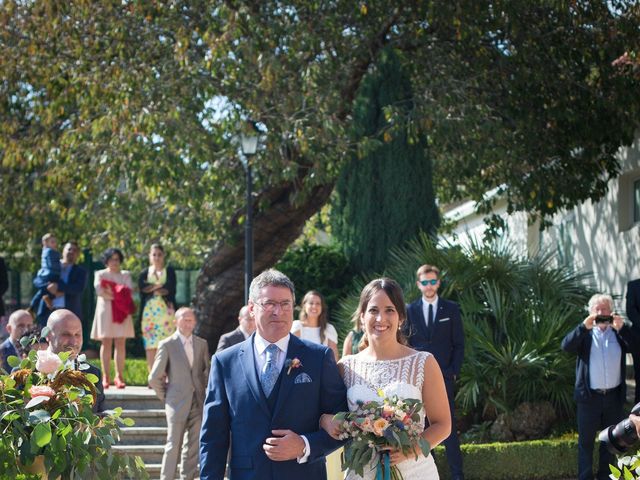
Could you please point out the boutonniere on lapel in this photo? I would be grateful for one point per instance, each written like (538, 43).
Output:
(292, 363)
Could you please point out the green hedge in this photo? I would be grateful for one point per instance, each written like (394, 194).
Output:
(533, 460)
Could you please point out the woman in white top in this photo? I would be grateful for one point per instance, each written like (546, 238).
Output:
(313, 324)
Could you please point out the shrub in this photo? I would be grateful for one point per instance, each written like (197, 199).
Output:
(319, 267)
(515, 313)
(532, 460)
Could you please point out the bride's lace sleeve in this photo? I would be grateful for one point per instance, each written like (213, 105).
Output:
(418, 369)
(346, 364)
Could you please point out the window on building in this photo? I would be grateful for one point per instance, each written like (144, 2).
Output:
(636, 201)
(565, 247)
(629, 200)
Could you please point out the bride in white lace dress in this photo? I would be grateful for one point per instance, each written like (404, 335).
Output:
(387, 364)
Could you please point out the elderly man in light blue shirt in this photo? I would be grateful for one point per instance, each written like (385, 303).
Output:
(601, 342)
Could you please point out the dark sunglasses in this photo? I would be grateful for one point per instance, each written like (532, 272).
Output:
(424, 283)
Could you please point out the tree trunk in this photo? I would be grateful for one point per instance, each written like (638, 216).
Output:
(220, 285)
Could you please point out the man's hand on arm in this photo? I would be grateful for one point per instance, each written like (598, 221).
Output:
(284, 445)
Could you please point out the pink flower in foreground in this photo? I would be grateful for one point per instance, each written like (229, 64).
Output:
(47, 362)
(41, 391)
(379, 425)
(387, 411)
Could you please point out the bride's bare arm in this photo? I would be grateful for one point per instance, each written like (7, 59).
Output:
(436, 407)
(436, 403)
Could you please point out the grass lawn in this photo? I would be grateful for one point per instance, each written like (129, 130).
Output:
(135, 370)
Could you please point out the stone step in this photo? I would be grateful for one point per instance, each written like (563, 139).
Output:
(150, 454)
(132, 398)
(153, 469)
(154, 417)
(147, 437)
(143, 436)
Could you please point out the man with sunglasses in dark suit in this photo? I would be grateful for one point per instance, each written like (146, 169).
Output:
(434, 325)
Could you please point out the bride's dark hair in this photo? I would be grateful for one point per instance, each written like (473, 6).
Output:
(394, 292)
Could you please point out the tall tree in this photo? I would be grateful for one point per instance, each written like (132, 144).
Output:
(384, 196)
(117, 118)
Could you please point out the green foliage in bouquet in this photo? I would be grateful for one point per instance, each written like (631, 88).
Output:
(46, 413)
(628, 468)
(391, 423)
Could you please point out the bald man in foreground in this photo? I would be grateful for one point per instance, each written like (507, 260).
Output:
(65, 335)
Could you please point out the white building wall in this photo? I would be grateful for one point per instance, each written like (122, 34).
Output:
(600, 237)
(470, 226)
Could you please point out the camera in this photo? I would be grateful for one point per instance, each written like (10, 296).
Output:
(604, 319)
(618, 438)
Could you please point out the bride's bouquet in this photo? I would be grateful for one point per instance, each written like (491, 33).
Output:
(377, 426)
(628, 467)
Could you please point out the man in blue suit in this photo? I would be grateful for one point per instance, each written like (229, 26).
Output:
(266, 395)
(68, 291)
(434, 325)
(19, 323)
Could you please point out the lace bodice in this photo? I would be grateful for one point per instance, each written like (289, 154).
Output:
(402, 377)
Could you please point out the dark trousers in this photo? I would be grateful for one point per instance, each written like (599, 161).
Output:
(452, 443)
(636, 372)
(594, 414)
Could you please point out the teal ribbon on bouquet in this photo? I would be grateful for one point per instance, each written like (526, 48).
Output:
(383, 471)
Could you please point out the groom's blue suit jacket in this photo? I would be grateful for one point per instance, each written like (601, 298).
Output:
(237, 414)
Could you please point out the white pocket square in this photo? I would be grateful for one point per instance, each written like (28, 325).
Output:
(444, 319)
(302, 378)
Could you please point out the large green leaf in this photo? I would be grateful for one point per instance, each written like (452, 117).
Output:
(42, 434)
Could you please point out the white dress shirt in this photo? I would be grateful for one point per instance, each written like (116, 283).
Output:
(259, 347)
(425, 310)
(604, 359)
(187, 343)
(65, 270)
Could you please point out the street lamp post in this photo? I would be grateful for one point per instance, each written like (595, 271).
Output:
(249, 146)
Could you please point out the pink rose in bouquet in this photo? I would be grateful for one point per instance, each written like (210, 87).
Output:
(41, 391)
(47, 362)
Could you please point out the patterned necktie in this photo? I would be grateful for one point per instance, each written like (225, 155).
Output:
(270, 371)
(430, 322)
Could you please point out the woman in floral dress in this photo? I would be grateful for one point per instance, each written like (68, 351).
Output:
(157, 285)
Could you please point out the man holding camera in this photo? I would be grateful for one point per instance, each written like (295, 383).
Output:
(601, 342)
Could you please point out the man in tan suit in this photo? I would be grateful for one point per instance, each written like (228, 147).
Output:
(179, 378)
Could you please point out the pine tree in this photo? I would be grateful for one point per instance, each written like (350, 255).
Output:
(384, 195)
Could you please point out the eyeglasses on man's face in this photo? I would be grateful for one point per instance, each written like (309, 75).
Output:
(433, 281)
(270, 305)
